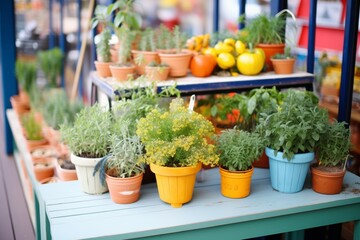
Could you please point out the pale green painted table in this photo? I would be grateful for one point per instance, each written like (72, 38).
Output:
(72, 214)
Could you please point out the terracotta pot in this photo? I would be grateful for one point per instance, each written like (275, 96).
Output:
(43, 168)
(103, 69)
(283, 66)
(146, 58)
(122, 73)
(24, 98)
(270, 50)
(49, 180)
(33, 144)
(175, 184)
(124, 190)
(63, 173)
(262, 162)
(18, 107)
(326, 182)
(179, 63)
(329, 91)
(157, 73)
(235, 184)
(43, 152)
(89, 183)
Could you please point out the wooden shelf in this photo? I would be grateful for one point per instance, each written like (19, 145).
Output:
(213, 84)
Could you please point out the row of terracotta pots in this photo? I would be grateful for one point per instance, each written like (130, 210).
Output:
(177, 66)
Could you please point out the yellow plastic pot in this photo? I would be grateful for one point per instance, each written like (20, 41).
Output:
(175, 184)
(235, 184)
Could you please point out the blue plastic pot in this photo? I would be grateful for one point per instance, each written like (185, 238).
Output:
(288, 176)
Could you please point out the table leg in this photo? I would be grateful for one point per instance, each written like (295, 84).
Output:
(93, 95)
(297, 235)
(357, 230)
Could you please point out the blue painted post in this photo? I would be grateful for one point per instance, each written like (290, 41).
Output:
(216, 11)
(242, 4)
(62, 41)
(311, 37)
(348, 60)
(78, 47)
(51, 27)
(8, 83)
(277, 5)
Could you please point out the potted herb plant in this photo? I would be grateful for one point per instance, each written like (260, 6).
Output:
(268, 33)
(89, 141)
(33, 131)
(238, 149)
(26, 75)
(175, 146)
(292, 134)
(50, 62)
(283, 63)
(102, 17)
(175, 56)
(126, 21)
(157, 71)
(332, 153)
(122, 169)
(146, 52)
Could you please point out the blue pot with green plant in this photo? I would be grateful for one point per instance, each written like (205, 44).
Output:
(292, 133)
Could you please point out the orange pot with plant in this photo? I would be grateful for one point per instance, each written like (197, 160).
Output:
(157, 72)
(238, 149)
(176, 153)
(332, 152)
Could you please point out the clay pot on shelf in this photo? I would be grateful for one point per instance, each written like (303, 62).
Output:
(143, 58)
(157, 73)
(103, 69)
(270, 50)
(283, 66)
(179, 63)
(327, 181)
(124, 190)
(122, 73)
(18, 106)
(43, 152)
(65, 170)
(43, 168)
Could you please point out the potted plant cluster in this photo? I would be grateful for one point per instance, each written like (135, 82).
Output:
(26, 75)
(292, 134)
(268, 33)
(332, 152)
(33, 131)
(122, 169)
(238, 150)
(157, 71)
(175, 146)
(89, 141)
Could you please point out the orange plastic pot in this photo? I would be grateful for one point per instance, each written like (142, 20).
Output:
(175, 184)
(235, 184)
(124, 190)
(326, 182)
(271, 50)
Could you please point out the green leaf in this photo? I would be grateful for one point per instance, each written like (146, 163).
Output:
(109, 9)
(315, 136)
(251, 104)
(213, 110)
(119, 19)
(94, 23)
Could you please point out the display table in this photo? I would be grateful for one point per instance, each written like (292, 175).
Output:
(72, 214)
(213, 84)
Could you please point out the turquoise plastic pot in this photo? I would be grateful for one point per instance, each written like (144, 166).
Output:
(288, 176)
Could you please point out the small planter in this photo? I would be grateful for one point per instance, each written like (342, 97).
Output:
(43, 152)
(147, 57)
(175, 184)
(235, 184)
(179, 63)
(43, 168)
(124, 190)
(84, 168)
(271, 50)
(34, 144)
(288, 176)
(122, 73)
(103, 69)
(157, 73)
(283, 66)
(65, 170)
(18, 106)
(24, 98)
(327, 180)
